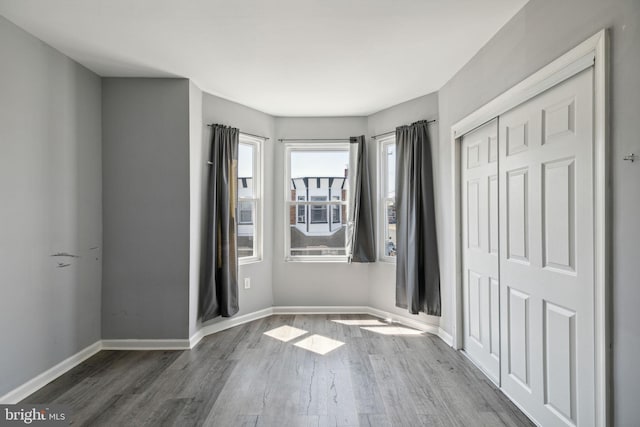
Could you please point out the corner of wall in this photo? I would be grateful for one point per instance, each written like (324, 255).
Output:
(196, 200)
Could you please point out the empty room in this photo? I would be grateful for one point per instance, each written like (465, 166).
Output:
(319, 213)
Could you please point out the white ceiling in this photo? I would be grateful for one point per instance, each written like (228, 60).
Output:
(283, 57)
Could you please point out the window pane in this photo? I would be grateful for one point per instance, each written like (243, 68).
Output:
(246, 228)
(319, 163)
(390, 173)
(245, 170)
(390, 229)
(319, 173)
(318, 176)
(326, 238)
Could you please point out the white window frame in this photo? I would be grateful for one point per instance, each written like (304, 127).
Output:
(307, 146)
(257, 198)
(383, 143)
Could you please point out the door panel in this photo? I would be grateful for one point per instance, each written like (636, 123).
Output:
(547, 254)
(518, 337)
(558, 222)
(494, 309)
(517, 215)
(516, 137)
(475, 308)
(493, 214)
(560, 360)
(481, 293)
(473, 214)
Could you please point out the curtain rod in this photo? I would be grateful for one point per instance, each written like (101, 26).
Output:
(393, 131)
(248, 134)
(314, 139)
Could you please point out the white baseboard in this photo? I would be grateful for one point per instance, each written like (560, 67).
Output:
(227, 323)
(235, 321)
(431, 328)
(347, 309)
(33, 385)
(445, 336)
(133, 344)
(422, 326)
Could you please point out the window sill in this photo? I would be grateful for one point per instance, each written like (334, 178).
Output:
(249, 260)
(317, 259)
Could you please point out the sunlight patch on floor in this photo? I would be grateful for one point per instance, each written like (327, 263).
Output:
(393, 330)
(360, 322)
(285, 333)
(319, 344)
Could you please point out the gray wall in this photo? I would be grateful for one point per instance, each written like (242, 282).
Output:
(539, 33)
(382, 275)
(197, 168)
(305, 284)
(156, 147)
(145, 160)
(51, 202)
(218, 110)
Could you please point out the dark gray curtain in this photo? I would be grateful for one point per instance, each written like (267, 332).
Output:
(363, 245)
(219, 289)
(417, 270)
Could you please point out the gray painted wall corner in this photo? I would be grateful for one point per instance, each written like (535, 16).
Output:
(197, 176)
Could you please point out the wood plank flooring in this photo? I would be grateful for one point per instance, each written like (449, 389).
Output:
(242, 377)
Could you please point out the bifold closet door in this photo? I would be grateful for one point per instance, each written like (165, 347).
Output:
(547, 254)
(481, 292)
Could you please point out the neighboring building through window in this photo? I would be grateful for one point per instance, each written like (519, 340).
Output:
(246, 213)
(302, 211)
(335, 212)
(387, 197)
(316, 205)
(249, 199)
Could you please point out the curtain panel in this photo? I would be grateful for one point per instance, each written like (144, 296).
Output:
(417, 268)
(219, 289)
(361, 244)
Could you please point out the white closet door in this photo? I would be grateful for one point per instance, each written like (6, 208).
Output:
(547, 254)
(481, 292)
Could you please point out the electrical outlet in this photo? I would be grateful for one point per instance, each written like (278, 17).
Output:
(247, 282)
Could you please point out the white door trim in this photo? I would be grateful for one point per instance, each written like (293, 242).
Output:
(591, 52)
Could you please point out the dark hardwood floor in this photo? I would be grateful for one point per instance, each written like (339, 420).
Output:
(243, 377)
